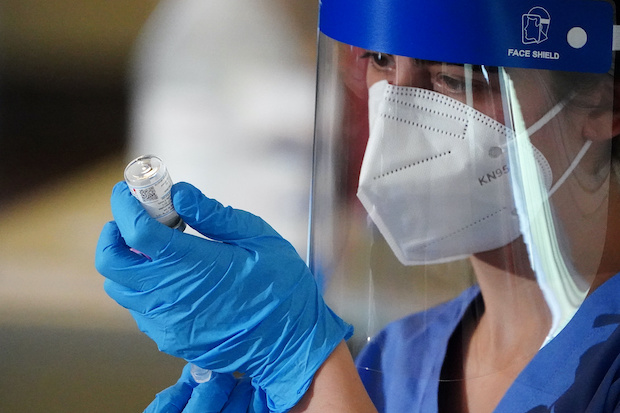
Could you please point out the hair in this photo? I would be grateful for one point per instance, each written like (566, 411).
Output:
(564, 83)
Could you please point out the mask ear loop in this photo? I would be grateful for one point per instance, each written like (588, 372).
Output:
(571, 167)
(535, 127)
(552, 113)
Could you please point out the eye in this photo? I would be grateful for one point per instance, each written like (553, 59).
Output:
(449, 83)
(381, 61)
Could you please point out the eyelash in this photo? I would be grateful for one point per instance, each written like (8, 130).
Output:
(378, 59)
(451, 83)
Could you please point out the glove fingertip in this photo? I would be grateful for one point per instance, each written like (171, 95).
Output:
(211, 396)
(126, 209)
(186, 199)
(109, 238)
(120, 186)
(137, 228)
(197, 210)
(214, 220)
(171, 400)
(124, 296)
(109, 234)
(240, 397)
(112, 288)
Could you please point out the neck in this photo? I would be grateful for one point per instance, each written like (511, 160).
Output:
(516, 319)
(610, 261)
(491, 351)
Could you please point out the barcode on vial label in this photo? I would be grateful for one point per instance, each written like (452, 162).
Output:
(148, 194)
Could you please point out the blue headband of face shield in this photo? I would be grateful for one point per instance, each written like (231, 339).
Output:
(566, 35)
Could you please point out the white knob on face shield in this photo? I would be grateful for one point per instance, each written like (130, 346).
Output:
(434, 178)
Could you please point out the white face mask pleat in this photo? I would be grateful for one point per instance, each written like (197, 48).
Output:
(435, 175)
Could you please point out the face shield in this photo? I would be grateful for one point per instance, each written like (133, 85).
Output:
(463, 158)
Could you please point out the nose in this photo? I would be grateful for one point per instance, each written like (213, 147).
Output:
(397, 70)
(411, 72)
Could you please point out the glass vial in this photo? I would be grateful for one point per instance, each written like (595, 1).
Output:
(149, 181)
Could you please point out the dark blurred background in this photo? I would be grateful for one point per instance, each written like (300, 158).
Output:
(62, 85)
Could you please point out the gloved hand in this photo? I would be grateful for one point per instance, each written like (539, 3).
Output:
(242, 300)
(221, 394)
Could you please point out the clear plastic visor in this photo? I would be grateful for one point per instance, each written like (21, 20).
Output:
(457, 210)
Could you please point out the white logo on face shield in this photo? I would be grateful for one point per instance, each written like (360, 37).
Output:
(535, 25)
(434, 178)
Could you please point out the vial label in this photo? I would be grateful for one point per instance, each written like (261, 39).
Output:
(150, 183)
(155, 198)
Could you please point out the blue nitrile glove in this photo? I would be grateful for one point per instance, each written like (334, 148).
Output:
(221, 394)
(242, 300)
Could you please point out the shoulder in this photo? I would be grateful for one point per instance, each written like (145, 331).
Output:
(436, 322)
(411, 350)
(579, 370)
(596, 358)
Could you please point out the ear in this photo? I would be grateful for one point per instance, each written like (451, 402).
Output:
(603, 119)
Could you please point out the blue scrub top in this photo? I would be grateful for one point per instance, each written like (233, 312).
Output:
(578, 371)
